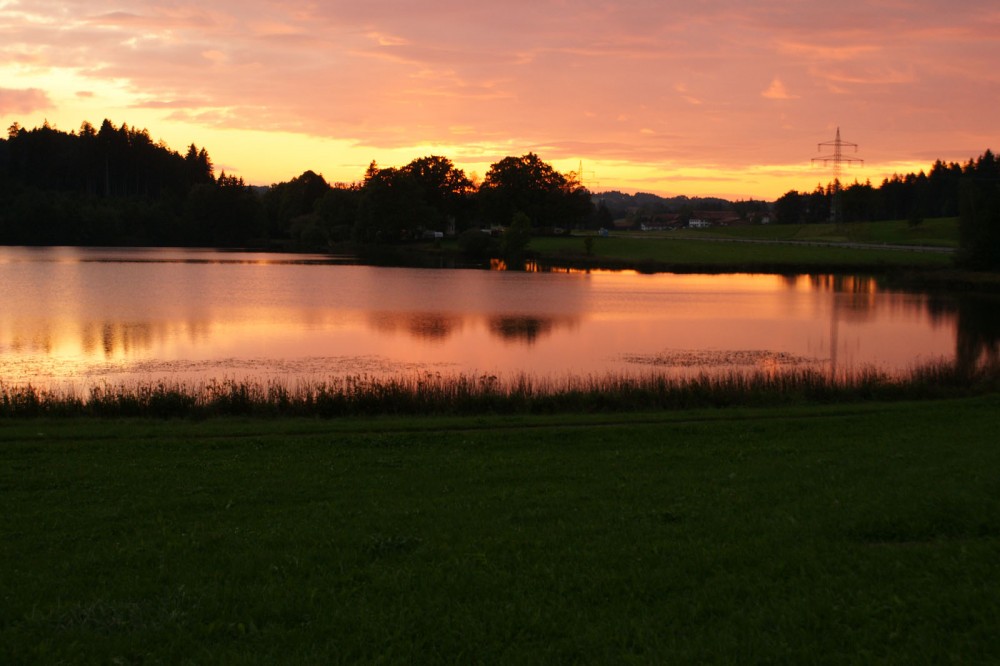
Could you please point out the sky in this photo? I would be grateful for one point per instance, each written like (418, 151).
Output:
(702, 98)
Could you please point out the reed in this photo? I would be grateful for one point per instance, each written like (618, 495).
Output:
(462, 394)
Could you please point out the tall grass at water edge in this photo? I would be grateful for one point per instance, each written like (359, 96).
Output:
(461, 394)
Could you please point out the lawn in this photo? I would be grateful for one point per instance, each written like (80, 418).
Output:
(937, 232)
(815, 534)
(664, 251)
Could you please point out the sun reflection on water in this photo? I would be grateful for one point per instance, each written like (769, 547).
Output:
(77, 315)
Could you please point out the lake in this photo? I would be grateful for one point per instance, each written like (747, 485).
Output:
(79, 316)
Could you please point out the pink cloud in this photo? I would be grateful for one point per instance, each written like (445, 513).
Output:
(777, 90)
(694, 82)
(23, 101)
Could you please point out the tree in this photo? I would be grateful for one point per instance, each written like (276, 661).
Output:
(392, 208)
(199, 166)
(338, 211)
(601, 218)
(788, 209)
(287, 201)
(477, 245)
(514, 242)
(224, 213)
(530, 186)
(858, 202)
(818, 205)
(979, 223)
(443, 188)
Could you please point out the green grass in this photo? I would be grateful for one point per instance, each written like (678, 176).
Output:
(691, 249)
(937, 232)
(665, 252)
(857, 534)
(688, 250)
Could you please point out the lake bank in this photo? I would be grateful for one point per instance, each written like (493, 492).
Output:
(912, 256)
(458, 395)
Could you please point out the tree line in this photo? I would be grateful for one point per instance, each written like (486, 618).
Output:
(969, 191)
(116, 186)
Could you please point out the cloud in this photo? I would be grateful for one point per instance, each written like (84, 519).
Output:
(23, 101)
(777, 91)
(640, 81)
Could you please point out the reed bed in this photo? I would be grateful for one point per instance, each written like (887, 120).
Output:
(437, 394)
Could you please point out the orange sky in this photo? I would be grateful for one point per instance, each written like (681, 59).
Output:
(715, 97)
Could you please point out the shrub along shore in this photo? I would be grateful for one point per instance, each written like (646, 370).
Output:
(435, 394)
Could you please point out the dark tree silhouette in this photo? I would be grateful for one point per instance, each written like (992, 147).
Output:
(114, 185)
(530, 186)
(392, 208)
(107, 186)
(288, 203)
(443, 188)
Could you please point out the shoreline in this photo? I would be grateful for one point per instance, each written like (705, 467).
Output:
(477, 395)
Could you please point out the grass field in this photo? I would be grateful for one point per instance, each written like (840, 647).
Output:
(937, 232)
(862, 533)
(771, 248)
(662, 251)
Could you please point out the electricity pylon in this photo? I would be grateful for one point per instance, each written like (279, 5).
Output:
(591, 180)
(837, 159)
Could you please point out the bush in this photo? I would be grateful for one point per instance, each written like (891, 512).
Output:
(477, 245)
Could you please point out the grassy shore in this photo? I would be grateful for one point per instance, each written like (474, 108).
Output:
(857, 247)
(935, 232)
(832, 534)
(435, 394)
(661, 253)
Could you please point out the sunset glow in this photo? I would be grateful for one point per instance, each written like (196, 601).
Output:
(715, 98)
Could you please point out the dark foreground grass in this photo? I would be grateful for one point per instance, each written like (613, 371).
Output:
(838, 534)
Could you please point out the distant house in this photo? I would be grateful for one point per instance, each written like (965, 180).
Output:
(661, 222)
(702, 219)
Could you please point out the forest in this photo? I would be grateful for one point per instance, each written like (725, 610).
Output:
(969, 191)
(114, 185)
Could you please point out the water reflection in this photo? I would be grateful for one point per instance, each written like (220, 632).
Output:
(165, 255)
(521, 329)
(977, 338)
(69, 313)
(430, 326)
(421, 325)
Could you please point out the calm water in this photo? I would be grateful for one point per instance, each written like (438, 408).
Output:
(84, 315)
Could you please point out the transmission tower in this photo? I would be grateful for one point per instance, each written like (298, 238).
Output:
(589, 175)
(837, 159)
